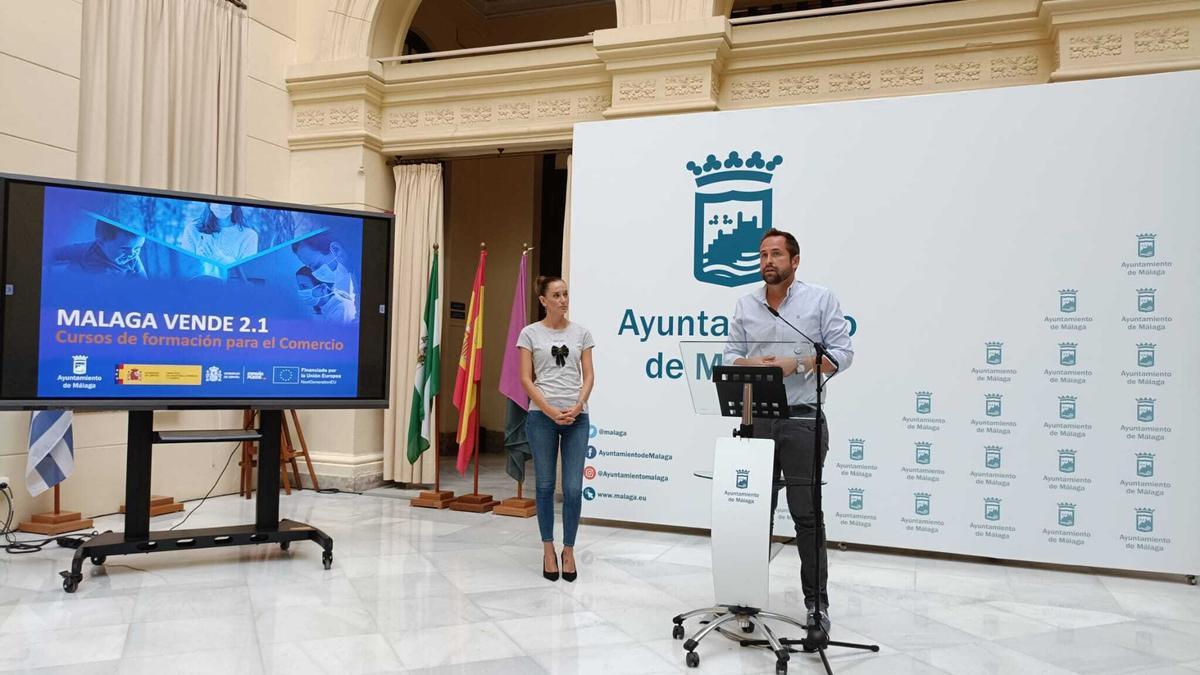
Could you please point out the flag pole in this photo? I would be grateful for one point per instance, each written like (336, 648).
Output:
(478, 417)
(478, 437)
(475, 502)
(437, 498)
(519, 506)
(437, 455)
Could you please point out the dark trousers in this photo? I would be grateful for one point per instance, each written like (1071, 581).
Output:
(794, 462)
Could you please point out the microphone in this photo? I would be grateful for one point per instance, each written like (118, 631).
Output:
(821, 350)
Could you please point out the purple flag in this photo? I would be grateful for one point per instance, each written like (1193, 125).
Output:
(510, 371)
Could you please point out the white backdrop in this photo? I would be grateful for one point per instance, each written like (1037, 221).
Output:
(1034, 243)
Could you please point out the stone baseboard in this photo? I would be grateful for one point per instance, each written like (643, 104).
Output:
(344, 483)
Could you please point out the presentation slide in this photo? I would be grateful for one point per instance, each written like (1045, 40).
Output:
(147, 297)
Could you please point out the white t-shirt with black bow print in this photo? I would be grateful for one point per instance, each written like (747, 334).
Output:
(556, 361)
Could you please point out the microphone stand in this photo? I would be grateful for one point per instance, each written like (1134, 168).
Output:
(817, 639)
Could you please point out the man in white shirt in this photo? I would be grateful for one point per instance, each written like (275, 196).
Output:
(758, 337)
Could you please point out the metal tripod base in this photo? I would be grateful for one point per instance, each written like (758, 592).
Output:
(816, 641)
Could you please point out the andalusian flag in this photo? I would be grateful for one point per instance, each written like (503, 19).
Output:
(470, 371)
(429, 368)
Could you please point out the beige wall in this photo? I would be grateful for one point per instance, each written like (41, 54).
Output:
(39, 52)
(346, 446)
(273, 30)
(180, 471)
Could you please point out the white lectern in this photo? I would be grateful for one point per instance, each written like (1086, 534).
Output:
(743, 481)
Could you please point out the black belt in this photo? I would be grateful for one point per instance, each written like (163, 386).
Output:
(801, 410)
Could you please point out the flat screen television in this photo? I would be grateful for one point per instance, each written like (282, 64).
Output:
(125, 298)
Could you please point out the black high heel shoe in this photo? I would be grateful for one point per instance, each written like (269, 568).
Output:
(567, 576)
(550, 576)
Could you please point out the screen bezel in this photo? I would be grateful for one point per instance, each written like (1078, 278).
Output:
(160, 403)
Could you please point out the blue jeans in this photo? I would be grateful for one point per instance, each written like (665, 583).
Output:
(544, 438)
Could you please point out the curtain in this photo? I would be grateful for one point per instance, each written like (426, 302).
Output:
(418, 227)
(161, 94)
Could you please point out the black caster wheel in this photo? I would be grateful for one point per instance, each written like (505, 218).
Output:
(781, 667)
(748, 628)
(327, 560)
(99, 559)
(71, 582)
(677, 632)
(692, 659)
(285, 545)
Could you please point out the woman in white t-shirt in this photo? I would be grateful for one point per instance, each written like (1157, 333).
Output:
(220, 238)
(556, 372)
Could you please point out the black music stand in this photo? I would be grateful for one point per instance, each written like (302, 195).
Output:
(757, 389)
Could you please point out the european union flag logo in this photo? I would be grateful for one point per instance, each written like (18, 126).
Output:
(285, 375)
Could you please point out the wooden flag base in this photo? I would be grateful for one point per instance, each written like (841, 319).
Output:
(517, 507)
(474, 502)
(160, 506)
(434, 499)
(52, 524)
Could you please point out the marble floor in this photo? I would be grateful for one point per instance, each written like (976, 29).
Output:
(422, 591)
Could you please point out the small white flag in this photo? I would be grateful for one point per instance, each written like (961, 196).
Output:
(51, 450)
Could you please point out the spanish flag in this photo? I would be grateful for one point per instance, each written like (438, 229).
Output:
(470, 371)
